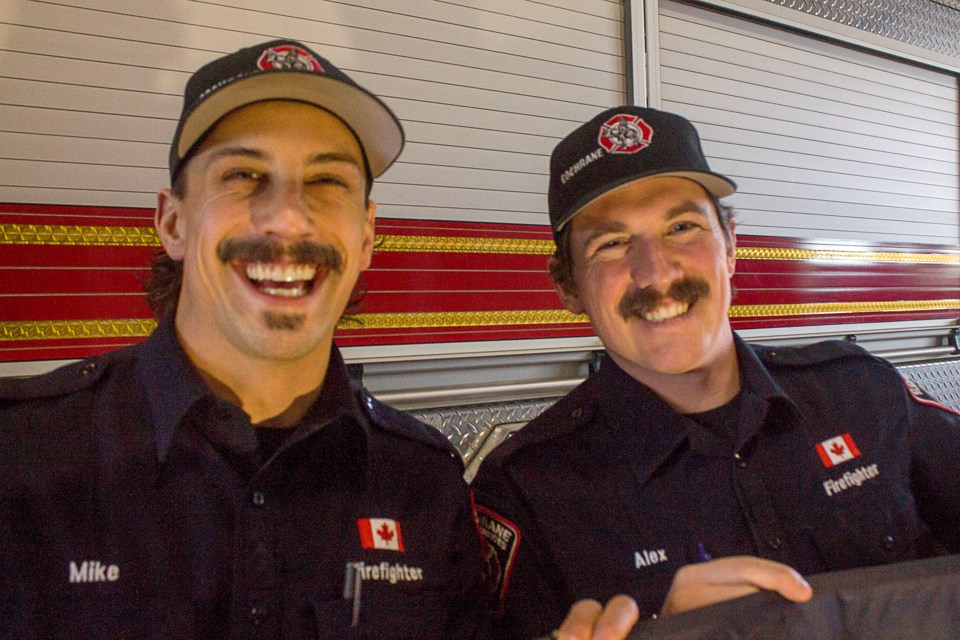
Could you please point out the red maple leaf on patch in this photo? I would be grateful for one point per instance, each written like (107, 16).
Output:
(837, 449)
(385, 532)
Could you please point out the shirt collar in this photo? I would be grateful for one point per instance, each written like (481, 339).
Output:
(171, 383)
(650, 430)
(173, 388)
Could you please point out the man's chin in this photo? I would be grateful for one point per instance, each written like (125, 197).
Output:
(279, 321)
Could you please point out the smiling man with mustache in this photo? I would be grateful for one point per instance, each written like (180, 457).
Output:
(688, 444)
(226, 478)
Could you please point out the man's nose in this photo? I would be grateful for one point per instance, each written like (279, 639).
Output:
(283, 212)
(652, 265)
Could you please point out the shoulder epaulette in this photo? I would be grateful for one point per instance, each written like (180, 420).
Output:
(564, 417)
(388, 419)
(61, 381)
(811, 354)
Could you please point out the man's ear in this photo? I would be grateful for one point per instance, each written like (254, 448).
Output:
(732, 249)
(169, 224)
(369, 235)
(565, 289)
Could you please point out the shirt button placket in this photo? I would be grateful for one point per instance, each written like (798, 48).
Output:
(258, 579)
(758, 506)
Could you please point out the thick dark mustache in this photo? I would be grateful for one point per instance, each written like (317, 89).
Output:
(643, 301)
(263, 250)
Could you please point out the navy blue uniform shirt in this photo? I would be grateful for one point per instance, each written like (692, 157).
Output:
(831, 463)
(134, 504)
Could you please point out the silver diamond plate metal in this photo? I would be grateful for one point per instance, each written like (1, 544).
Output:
(930, 25)
(467, 427)
(939, 379)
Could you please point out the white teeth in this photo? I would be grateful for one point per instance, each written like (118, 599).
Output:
(258, 272)
(667, 312)
(292, 292)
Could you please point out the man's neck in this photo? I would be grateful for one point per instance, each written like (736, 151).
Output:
(273, 394)
(697, 390)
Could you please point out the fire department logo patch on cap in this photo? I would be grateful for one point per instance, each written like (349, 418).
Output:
(625, 133)
(501, 538)
(288, 57)
(837, 449)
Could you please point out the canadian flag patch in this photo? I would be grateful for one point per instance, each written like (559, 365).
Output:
(380, 533)
(836, 450)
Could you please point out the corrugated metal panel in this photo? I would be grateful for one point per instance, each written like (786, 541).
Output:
(485, 89)
(824, 141)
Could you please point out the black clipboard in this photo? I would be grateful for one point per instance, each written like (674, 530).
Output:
(916, 599)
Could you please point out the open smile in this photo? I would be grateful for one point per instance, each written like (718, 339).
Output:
(666, 312)
(283, 280)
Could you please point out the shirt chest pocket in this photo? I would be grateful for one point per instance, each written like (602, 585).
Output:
(875, 523)
(90, 613)
(383, 616)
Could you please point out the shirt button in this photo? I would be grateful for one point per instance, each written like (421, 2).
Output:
(888, 542)
(774, 542)
(258, 498)
(256, 615)
(576, 413)
(740, 461)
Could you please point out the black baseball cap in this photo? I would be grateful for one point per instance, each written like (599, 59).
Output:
(284, 70)
(619, 146)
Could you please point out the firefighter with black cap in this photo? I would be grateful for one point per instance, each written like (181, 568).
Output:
(688, 444)
(226, 478)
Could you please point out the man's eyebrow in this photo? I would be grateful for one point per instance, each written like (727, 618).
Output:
(608, 226)
(334, 156)
(614, 226)
(257, 154)
(243, 152)
(687, 206)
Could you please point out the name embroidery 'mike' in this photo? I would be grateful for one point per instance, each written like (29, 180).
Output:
(93, 571)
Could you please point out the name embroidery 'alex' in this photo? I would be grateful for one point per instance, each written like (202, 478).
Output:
(649, 557)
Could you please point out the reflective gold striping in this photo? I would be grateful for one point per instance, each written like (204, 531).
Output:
(75, 329)
(89, 329)
(769, 253)
(53, 234)
(457, 244)
(141, 328)
(44, 234)
(820, 308)
(463, 319)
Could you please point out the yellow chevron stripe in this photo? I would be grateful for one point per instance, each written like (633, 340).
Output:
(79, 329)
(457, 244)
(147, 237)
(820, 308)
(72, 235)
(141, 328)
(769, 253)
